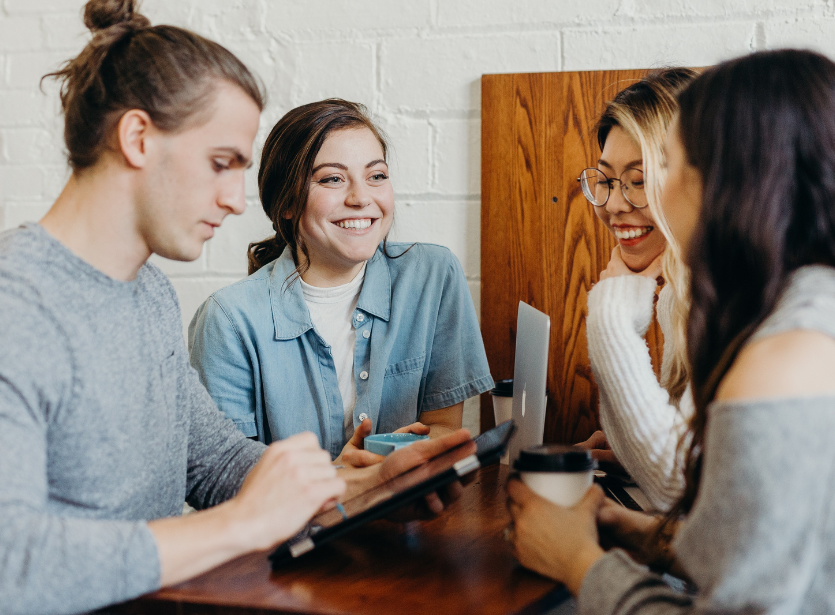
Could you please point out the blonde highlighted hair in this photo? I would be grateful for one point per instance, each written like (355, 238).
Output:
(644, 110)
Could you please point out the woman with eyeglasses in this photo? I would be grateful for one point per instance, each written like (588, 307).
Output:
(642, 420)
(749, 196)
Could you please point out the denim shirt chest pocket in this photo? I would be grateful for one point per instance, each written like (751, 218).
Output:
(402, 389)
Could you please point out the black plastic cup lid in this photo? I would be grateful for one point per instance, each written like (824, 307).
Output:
(554, 458)
(504, 388)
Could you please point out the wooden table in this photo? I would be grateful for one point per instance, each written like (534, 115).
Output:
(457, 563)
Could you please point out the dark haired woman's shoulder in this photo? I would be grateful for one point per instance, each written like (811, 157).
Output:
(813, 279)
(807, 302)
(809, 288)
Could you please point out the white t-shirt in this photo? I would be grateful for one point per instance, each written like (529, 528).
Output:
(332, 311)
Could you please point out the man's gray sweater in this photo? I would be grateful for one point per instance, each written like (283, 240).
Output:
(103, 426)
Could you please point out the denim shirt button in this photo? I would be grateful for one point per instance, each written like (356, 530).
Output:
(363, 375)
(363, 416)
(366, 334)
(360, 317)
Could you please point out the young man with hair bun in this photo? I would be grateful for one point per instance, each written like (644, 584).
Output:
(105, 429)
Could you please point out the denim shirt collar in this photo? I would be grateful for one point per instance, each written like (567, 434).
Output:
(290, 314)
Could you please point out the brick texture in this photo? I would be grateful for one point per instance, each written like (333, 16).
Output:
(416, 64)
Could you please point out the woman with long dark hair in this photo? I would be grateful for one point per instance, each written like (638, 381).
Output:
(750, 196)
(337, 330)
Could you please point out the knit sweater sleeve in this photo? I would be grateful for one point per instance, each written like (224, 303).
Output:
(52, 562)
(641, 424)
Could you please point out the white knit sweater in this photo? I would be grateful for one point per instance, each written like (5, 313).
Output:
(642, 425)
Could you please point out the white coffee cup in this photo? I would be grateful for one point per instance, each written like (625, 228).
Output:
(561, 474)
(503, 404)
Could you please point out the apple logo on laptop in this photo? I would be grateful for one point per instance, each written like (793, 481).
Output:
(524, 397)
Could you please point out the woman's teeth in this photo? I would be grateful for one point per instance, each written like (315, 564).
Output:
(357, 224)
(632, 233)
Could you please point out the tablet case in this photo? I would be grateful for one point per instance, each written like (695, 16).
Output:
(443, 470)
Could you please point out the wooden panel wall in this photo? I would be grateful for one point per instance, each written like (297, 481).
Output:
(540, 240)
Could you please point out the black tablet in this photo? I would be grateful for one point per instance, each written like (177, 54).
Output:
(396, 493)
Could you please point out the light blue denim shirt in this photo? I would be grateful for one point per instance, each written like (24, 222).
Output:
(418, 348)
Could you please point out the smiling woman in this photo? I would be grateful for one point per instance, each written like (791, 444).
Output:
(338, 331)
(642, 418)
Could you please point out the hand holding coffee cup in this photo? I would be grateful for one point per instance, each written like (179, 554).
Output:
(561, 474)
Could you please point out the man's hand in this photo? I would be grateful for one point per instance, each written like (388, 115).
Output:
(292, 481)
(353, 453)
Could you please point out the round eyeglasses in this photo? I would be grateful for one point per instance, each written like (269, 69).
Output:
(597, 187)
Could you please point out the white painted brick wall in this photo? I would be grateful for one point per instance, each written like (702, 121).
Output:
(416, 64)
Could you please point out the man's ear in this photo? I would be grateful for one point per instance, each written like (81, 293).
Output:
(133, 132)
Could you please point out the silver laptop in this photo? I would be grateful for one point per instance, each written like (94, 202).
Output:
(530, 373)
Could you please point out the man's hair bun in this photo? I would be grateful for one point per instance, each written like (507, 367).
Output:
(166, 71)
(103, 14)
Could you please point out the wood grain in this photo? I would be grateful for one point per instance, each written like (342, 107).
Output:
(540, 240)
(455, 564)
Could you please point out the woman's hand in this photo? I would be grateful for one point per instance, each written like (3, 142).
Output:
(558, 542)
(418, 453)
(617, 267)
(626, 529)
(637, 533)
(353, 453)
(599, 448)
(362, 479)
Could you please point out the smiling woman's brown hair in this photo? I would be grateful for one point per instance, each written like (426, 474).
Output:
(287, 165)
(168, 72)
